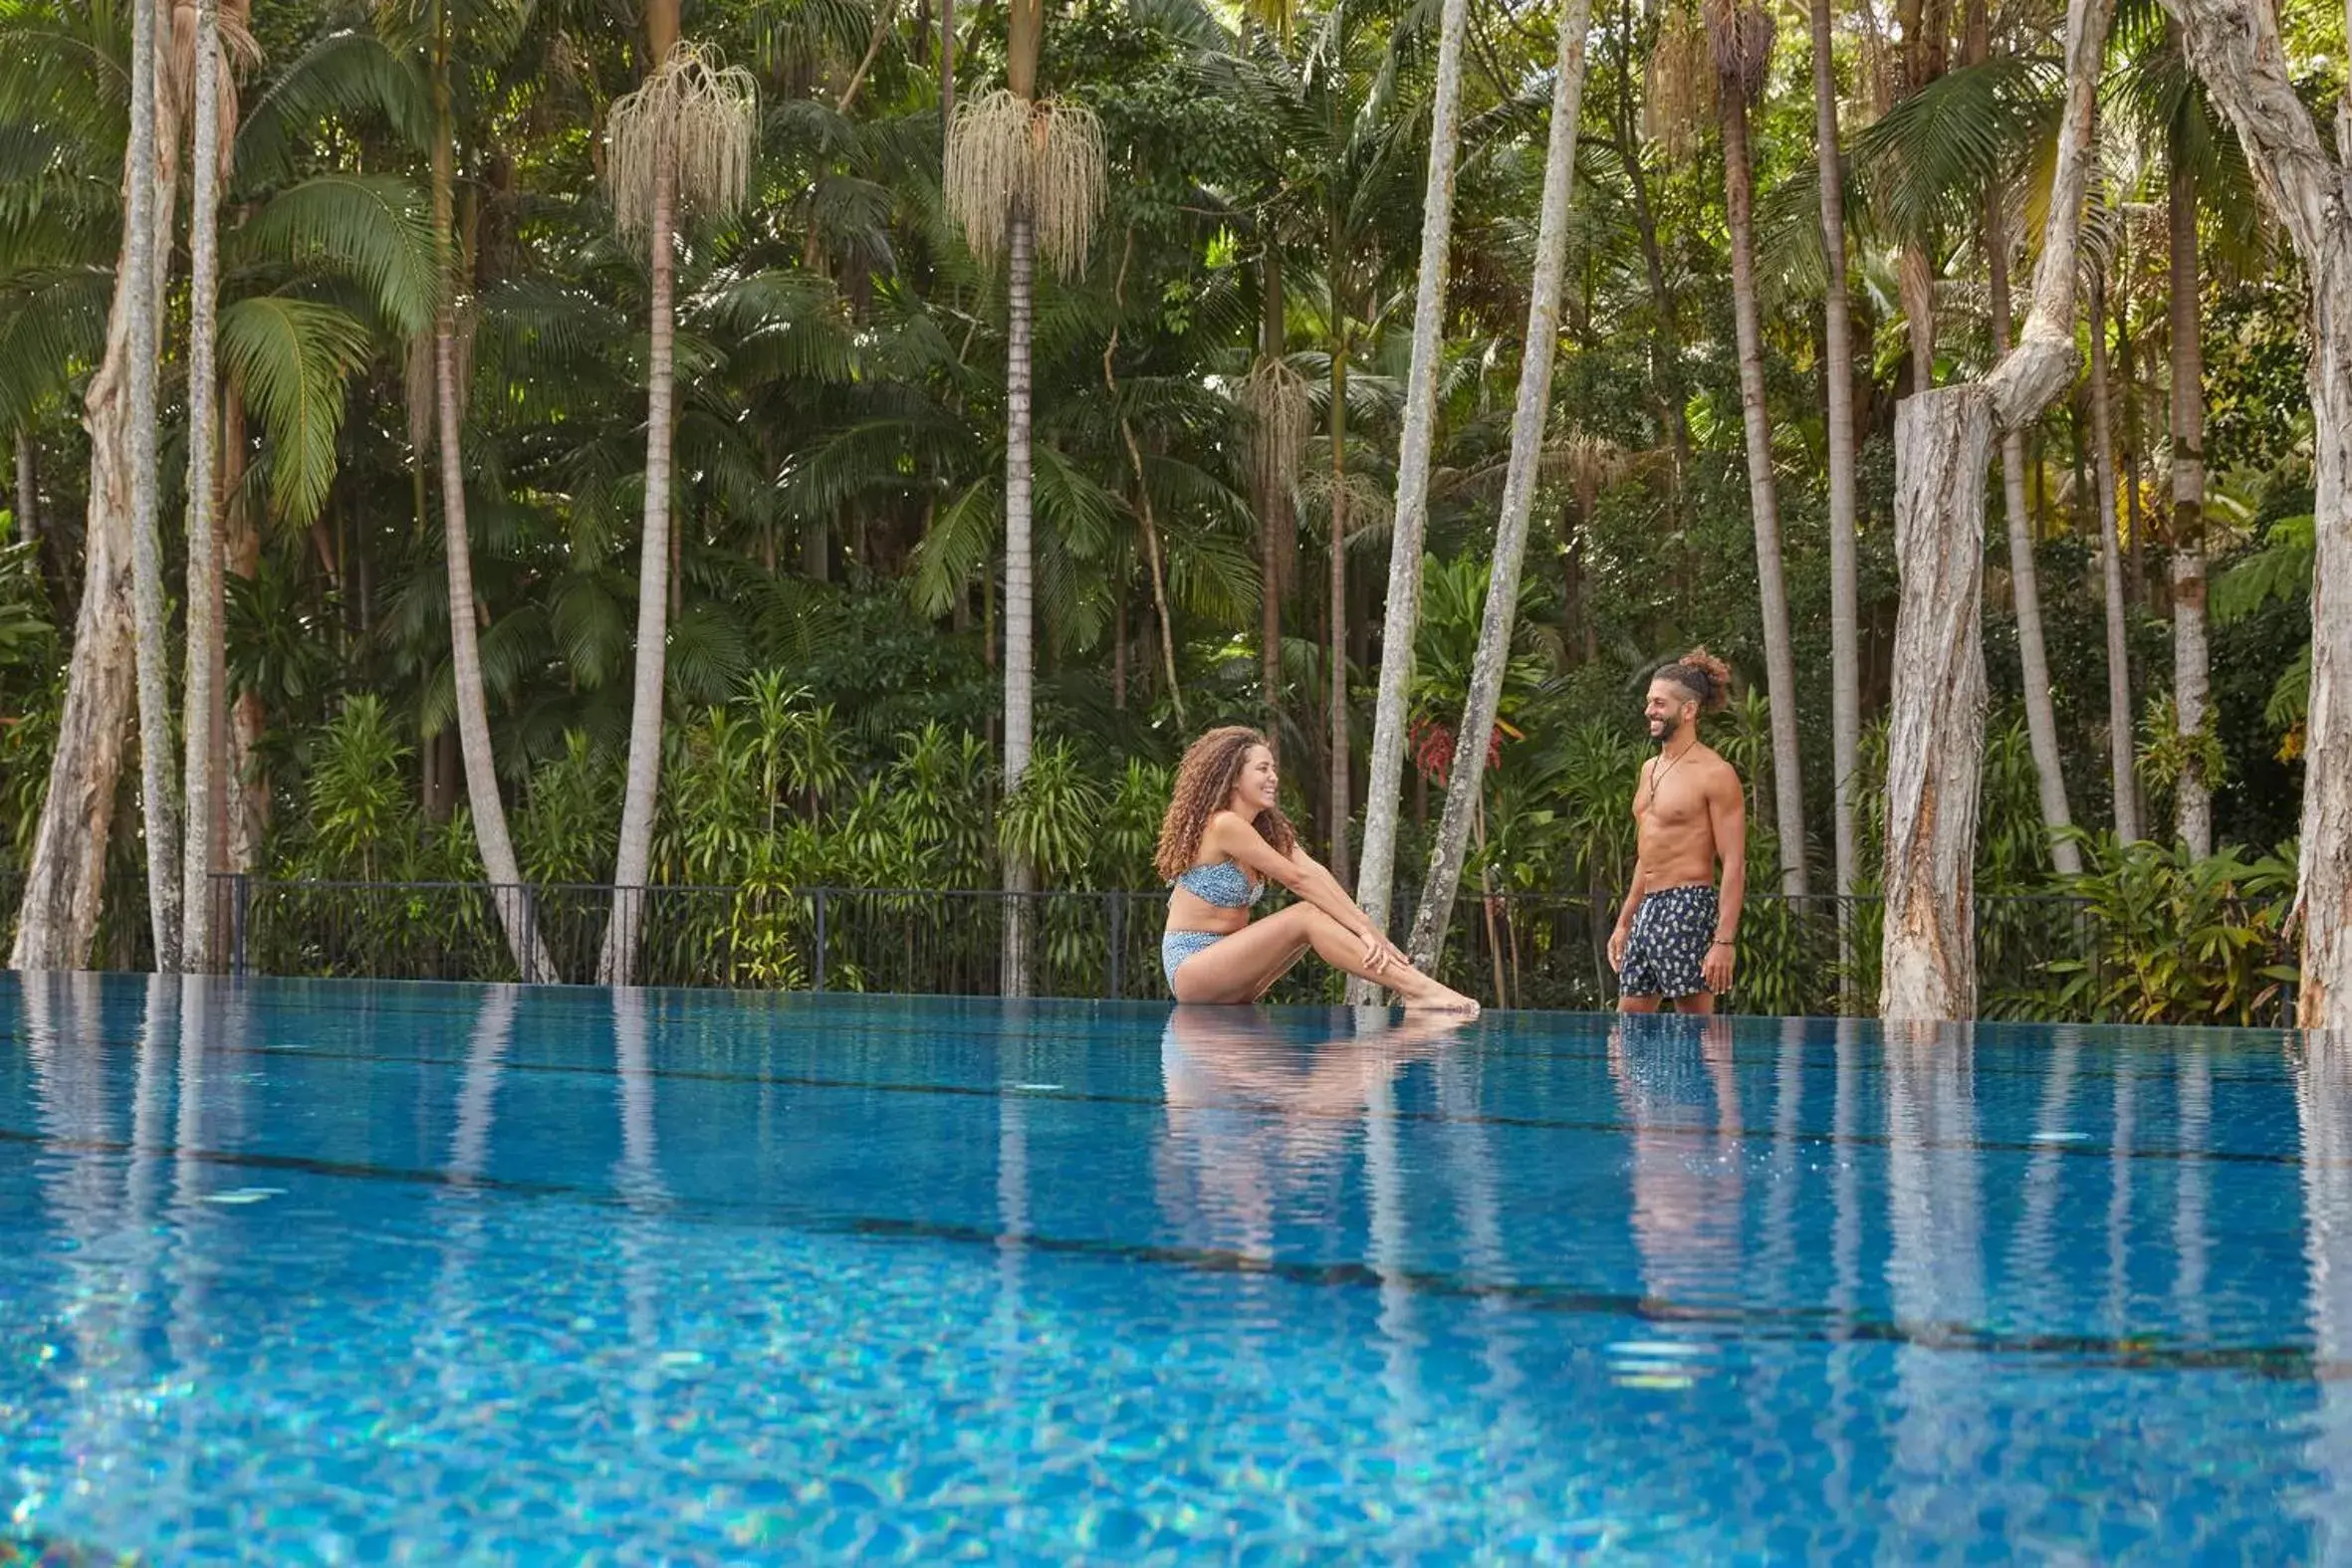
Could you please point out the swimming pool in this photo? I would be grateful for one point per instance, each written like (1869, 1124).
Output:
(317, 1271)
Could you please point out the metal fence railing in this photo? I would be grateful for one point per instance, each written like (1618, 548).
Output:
(1813, 955)
(1524, 950)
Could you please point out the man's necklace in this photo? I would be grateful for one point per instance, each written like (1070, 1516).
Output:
(1658, 775)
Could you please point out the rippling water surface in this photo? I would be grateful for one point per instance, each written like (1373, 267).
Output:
(335, 1272)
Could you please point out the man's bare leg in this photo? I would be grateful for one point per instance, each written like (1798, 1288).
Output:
(1637, 1003)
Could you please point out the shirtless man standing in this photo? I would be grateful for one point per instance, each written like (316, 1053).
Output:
(1673, 941)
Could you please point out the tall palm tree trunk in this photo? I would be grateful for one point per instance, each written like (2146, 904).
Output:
(1383, 790)
(634, 859)
(1466, 778)
(2122, 777)
(1276, 523)
(28, 490)
(246, 786)
(1922, 26)
(2192, 795)
(1336, 585)
(511, 898)
(1762, 494)
(204, 578)
(1845, 642)
(1020, 579)
(2041, 723)
(148, 238)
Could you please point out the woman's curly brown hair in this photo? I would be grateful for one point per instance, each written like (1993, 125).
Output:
(1705, 677)
(1204, 783)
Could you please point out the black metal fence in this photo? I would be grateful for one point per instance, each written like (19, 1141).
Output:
(1814, 955)
(1523, 950)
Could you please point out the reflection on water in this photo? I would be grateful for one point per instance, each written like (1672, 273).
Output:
(1665, 1283)
(1264, 1110)
(2323, 1107)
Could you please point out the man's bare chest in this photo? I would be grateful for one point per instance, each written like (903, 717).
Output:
(1671, 804)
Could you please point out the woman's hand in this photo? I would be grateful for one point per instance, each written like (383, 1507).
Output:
(1378, 954)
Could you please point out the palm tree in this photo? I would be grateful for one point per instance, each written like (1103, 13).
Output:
(465, 649)
(1923, 27)
(684, 136)
(2119, 667)
(1468, 776)
(1274, 399)
(203, 579)
(1022, 174)
(149, 240)
(2193, 793)
(1846, 655)
(2041, 726)
(1741, 37)
(1335, 166)
(1383, 791)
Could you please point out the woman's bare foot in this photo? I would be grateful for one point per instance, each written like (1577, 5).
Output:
(1441, 999)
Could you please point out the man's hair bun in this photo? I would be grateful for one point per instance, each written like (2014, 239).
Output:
(1704, 676)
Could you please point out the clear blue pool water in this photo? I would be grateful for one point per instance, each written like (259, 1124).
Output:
(300, 1273)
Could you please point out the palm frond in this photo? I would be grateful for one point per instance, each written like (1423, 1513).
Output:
(372, 227)
(1930, 157)
(961, 538)
(53, 323)
(347, 75)
(290, 359)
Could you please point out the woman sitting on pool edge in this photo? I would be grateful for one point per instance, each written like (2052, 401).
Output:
(1224, 839)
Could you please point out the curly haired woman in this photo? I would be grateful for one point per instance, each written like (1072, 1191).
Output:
(1223, 841)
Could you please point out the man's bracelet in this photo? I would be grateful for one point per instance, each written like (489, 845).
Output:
(1723, 942)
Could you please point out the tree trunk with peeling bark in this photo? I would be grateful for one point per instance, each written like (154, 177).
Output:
(1936, 732)
(65, 879)
(1384, 788)
(2123, 780)
(1936, 708)
(1529, 419)
(2192, 795)
(2234, 46)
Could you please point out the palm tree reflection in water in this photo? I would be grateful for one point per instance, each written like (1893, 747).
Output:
(2322, 1066)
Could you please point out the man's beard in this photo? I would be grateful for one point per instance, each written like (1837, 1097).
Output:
(1664, 729)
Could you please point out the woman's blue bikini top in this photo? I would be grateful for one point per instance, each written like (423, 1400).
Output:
(1224, 884)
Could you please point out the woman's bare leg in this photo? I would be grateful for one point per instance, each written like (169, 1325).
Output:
(1241, 966)
(1244, 966)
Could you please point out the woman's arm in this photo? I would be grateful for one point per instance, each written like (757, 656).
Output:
(1230, 835)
